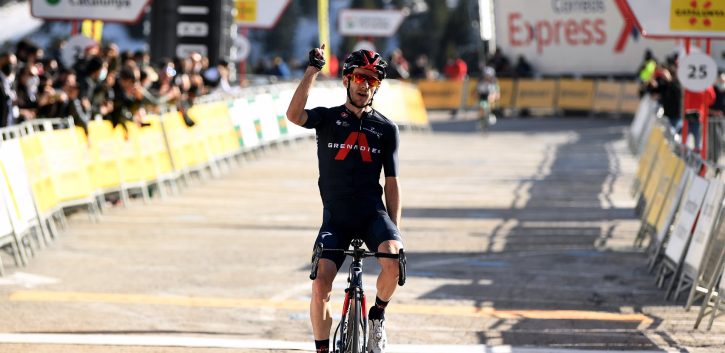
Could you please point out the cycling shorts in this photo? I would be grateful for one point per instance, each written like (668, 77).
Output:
(346, 220)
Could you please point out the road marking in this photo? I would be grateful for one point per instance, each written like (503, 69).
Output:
(299, 305)
(199, 342)
(27, 280)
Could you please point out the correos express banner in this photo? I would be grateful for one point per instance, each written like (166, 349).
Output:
(573, 36)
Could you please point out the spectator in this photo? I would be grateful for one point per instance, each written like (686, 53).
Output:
(421, 68)
(669, 93)
(127, 98)
(26, 92)
(455, 69)
(71, 104)
(280, 68)
(694, 113)
(523, 68)
(647, 68)
(334, 65)
(399, 67)
(8, 99)
(224, 73)
(500, 63)
(718, 106)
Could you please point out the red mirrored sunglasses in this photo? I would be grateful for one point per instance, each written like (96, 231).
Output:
(360, 79)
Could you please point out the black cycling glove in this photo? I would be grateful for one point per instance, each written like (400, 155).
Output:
(316, 60)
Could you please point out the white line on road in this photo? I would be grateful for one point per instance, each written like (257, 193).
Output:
(199, 342)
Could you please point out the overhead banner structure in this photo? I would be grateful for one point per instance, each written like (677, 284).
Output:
(128, 11)
(550, 33)
(371, 23)
(259, 13)
(678, 18)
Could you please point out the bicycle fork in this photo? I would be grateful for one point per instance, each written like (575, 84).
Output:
(353, 316)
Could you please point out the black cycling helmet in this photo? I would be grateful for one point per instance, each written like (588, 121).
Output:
(365, 59)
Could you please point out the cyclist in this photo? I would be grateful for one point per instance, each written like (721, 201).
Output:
(488, 95)
(354, 144)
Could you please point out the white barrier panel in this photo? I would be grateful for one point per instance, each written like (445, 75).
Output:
(242, 120)
(686, 215)
(22, 210)
(6, 226)
(705, 225)
(262, 109)
(293, 130)
(642, 122)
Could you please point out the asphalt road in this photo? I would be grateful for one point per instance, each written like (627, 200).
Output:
(519, 240)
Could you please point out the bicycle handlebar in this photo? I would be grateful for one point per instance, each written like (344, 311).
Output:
(319, 249)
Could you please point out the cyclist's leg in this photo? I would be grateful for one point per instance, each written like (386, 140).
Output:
(320, 314)
(384, 236)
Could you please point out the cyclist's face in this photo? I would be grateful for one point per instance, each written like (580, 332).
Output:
(362, 84)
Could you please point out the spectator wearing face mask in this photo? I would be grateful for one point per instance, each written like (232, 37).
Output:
(27, 92)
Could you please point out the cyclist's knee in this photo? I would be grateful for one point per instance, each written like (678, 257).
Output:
(390, 246)
(322, 285)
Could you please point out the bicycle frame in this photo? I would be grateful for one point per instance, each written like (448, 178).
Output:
(355, 306)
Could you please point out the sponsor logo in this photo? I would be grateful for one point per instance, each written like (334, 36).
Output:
(342, 123)
(372, 131)
(354, 141)
(697, 15)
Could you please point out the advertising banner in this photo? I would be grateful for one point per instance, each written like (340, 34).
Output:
(536, 94)
(704, 228)
(109, 10)
(576, 94)
(686, 216)
(573, 36)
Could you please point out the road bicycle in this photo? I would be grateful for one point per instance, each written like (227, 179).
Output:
(353, 326)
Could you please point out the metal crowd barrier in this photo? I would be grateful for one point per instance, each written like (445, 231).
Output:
(680, 202)
(49, 165)
(546, 95)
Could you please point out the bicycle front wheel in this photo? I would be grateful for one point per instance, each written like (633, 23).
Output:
(355, 333)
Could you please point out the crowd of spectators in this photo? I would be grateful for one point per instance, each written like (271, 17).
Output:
(102, 83)
(659, 79)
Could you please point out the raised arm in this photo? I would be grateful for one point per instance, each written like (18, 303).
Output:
(296, 110)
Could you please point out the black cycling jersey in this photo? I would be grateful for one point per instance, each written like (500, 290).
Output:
(352, 151)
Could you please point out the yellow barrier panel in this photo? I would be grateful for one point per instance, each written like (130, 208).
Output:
(472, 93)
(671, 194)
(630, 97)
(104, 148)
(666, 176)
(608, 97)
(576, 94)
(391, 104)
(655, 139)
(38, 173)
(414, 105)
(136, 163)
(178, 139)
(441, 94)
(152, 140)
(655, 175)
(67, 163)
(507, 90)
(536, 94)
